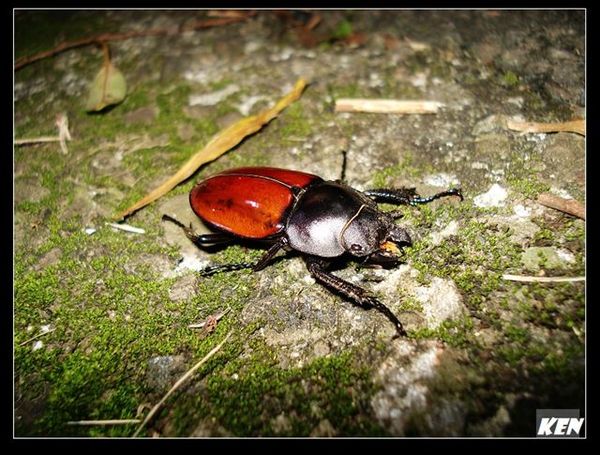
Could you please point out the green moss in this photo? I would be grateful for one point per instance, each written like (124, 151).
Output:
(293, 122)
(544, 237)
(411, 304)
(332, 388)
(474, 258)
(528, 186)
(136, 98)
(457, 333)
(517, 334)
(342, 30)
(220, 85)
(347, 91)
(574, 230)
(525, 352)
(387, 176)
(103, 312)
(510, 79)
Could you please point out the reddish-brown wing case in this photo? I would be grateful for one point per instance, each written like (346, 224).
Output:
(248, 202)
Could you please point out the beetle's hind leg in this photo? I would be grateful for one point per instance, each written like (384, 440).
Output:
(200, 239)
(408, 196)
(354, 293)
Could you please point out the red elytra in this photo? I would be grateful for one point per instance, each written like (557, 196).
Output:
(249, 202)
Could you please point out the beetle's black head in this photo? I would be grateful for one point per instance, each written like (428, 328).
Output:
(374, 235)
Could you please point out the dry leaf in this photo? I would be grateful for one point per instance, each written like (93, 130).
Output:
(218, 145)
(570, 206)
(574, 126)
(355, 39)
(107, 88)
(314, 20)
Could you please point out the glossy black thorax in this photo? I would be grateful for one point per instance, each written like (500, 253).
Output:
(326, 214)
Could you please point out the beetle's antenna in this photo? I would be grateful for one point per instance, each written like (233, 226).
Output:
(343, 231)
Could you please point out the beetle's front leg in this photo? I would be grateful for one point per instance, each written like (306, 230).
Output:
(407, 195)
(357, 295)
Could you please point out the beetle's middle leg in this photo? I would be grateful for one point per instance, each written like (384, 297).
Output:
(255, 266)
(408, 196)
(354, 293)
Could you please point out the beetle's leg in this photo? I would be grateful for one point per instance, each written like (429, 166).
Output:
(200, 239)
(408, 195)
(256, 266)
(213, 269)
(271, 252)
(354, 293)
(344, 162)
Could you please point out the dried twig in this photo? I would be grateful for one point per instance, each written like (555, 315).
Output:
(380, 106)
(105, 37)
(181, 380)
(42, 333)
(574, 126)
(62, 123)
(543, 279)
(104, 422)
(127, 228)
(570, 206)
(37, 140)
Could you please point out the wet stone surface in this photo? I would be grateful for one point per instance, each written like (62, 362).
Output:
(482, 353)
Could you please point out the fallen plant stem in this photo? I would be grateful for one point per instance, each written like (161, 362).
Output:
(570, 206)
(37, 140)
(381, 106)
(314, 20)
(62, 123)
(127, 228)
(105, 37)
(37, 336)
(573, 126)
(222, 142)
(181, 380)
(543, 279)
(104, 422)
(64, 135)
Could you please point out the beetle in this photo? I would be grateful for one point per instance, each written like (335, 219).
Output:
(294, 210)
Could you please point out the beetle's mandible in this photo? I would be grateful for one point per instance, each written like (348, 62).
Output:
(321, 220)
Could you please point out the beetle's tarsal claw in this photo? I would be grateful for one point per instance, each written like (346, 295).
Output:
(400, 332)
(166, 217)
